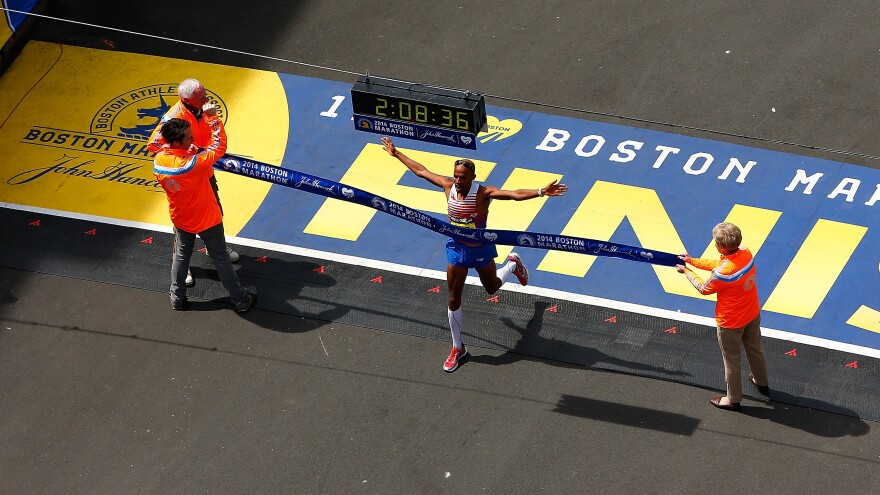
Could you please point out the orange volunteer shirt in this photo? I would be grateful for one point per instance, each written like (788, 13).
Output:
(733, 280)
(201, 128)
(184, 175)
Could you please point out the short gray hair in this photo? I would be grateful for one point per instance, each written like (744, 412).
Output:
(727, 235)
(187, 88)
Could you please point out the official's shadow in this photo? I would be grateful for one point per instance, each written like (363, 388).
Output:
(298, 295)
(623, 414)
(280, 285)
(826, 420)
(532, 346)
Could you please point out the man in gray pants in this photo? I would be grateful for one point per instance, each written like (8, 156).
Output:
(183, 171)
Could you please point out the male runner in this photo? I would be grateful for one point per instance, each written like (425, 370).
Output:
(469, 207)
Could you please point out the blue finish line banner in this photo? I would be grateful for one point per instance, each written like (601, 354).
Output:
(324, 187)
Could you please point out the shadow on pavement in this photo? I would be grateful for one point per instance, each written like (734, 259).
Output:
(626, 415)
(839, 423)
(533, 344)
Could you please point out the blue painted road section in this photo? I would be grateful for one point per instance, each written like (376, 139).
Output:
(819, 206)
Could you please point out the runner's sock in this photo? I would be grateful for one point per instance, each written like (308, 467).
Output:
(504, 272)
(455, 318)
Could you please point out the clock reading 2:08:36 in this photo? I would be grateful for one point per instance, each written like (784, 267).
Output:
(420, 104)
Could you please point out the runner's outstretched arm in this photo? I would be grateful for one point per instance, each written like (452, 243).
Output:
(416, 167)
(551, 189)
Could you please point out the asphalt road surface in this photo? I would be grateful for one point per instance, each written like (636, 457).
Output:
(106, 390)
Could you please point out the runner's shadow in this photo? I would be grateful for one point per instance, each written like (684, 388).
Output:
(826, 420)
(561, 353)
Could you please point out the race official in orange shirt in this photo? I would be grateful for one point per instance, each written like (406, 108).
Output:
(194, 108)
(191, 107)
(737, 311)
(182, 170)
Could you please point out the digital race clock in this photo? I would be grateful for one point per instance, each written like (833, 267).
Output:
(417, 111)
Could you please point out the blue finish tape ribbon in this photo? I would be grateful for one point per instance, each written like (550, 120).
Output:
(324, 187)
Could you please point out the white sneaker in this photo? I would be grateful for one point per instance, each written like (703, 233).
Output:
(233, 256)
(520, 270)
(190, 281)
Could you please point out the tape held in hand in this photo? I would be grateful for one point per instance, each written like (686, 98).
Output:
(331, 189)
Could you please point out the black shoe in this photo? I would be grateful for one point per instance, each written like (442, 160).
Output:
(177, 304)
(250, 297)
(716, 401)
(764, 389)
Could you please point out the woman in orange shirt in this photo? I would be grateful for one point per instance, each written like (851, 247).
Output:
(737, 311)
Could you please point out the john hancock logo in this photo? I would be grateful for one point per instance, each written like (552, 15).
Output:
(114, 146)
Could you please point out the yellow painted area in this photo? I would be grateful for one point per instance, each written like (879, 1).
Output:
(68, 109)
(755, 224)
(21, 77)
(865, 318)
(5, 33)
(815, 268)
(518, 215)
(377, 172)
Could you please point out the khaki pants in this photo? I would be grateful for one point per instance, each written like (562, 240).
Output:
(730, 340)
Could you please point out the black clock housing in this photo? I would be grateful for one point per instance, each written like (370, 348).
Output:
(415, 103)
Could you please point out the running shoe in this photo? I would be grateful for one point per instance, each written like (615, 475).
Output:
(520, 270)
(233, 256)
(454, 358)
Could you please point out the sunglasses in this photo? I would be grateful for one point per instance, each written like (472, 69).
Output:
(467, 163)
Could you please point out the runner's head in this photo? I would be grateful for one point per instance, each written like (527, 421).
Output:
(463, 175)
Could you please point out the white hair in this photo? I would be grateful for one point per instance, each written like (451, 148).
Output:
(187, 88)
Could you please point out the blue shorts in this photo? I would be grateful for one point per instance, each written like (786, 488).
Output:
(457, 254)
